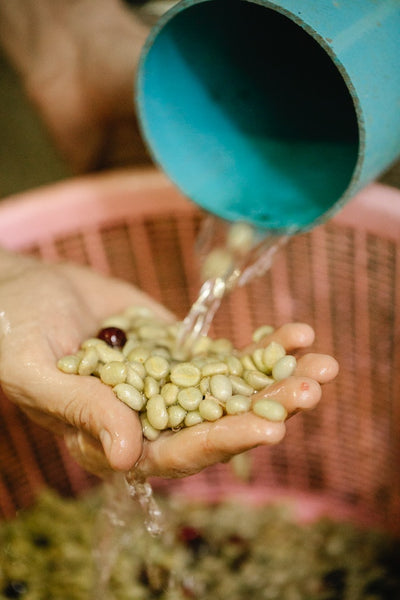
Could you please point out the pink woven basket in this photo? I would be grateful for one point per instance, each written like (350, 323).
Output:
(343, 458)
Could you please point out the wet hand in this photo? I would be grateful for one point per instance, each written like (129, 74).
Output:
(188, 451)
(185, 452)
(45, 312)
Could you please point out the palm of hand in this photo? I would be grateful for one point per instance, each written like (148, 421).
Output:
(64, 306)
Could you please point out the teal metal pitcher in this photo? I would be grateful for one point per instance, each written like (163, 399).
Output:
(273, 112)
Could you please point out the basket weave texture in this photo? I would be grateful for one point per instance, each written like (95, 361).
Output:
(342, 278)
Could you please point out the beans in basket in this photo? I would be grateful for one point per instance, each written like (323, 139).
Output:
(226, 551)
(136, 354)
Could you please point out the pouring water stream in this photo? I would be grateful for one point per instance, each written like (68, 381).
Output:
(123, 492)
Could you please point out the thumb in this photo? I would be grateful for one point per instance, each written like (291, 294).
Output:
(90, 406)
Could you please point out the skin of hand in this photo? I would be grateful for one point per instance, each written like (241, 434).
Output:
(48, 310)
(77, 63)
(192, 449)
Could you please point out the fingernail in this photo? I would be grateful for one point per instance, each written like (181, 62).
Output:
(106, 441)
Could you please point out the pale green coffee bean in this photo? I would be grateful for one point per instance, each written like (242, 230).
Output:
(173, 329)
(248, 362)
(202, 345)
(221, 346)
(210, 409)
(69, 364)
(151, 332)
(199, 361)
(151, 386)
(113, 372)
(162, 351)
(157, 367)
(238, 404)
(190, 398)
(258, 359)
(240, 237)
(269, 409)
(272, 353)
(262, 332)
(235, 367)
(142, 322)
(210, 359)
(133, 378)
(157, 413)
(193, 417)
(108, 354)
(134, 313)
(185, 374)
(179, 354)
(138, 367)
(257, 380)
(130, 396)
(139, 354)
(89, 361)
(176, 416)
(169, 392)
(149, 432)
(131, 335)
(119, 321)
(129, 345)
(221, 387)
(217, 263)
(214, 368)
(93, 343)
(284, 367)
(240, 386)
(204, 385)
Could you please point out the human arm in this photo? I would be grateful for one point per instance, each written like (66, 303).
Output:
(46, 311)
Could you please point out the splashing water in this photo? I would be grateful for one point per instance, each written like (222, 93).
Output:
(121, 495)
(231, 255)
(153, 516)
(242, 254)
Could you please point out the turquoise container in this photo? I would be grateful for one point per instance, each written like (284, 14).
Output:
(272, 112)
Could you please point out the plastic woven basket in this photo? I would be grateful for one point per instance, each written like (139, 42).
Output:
(343, 278)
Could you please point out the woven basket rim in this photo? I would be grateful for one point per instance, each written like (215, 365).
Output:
(92, 201)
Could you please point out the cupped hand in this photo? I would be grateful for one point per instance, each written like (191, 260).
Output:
(46, 311)
(188, 451)
(185, 452)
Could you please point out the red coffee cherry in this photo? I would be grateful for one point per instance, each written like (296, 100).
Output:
(113, 336)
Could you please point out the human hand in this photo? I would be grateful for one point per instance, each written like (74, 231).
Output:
(189, 450)
(64, 306)
(45, 312)
(77, 63)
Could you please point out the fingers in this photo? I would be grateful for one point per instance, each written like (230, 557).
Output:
(302, 391)
(91, 407)
(190, 450)
(294, 393)
(321, 367)
(291, 335)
